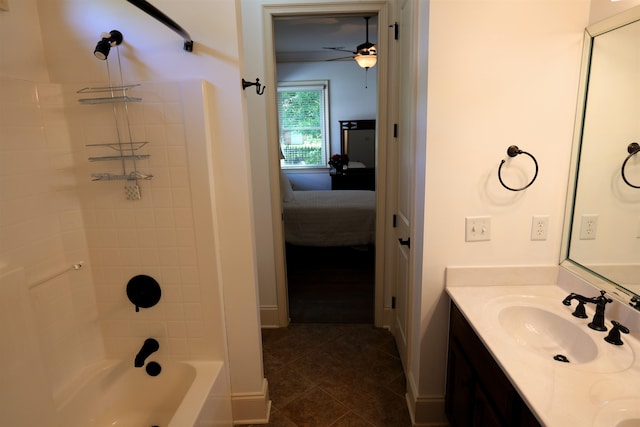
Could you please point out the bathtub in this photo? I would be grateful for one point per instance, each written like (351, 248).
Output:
(114, 393)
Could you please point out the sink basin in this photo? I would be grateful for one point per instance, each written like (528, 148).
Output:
(543, 327)
(548, 334)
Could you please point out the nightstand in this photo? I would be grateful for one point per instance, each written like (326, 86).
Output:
(354, 179)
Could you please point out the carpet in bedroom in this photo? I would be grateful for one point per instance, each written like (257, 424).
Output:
(331, 285)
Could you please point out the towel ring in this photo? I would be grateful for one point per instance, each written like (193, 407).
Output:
(513, 151)
(632, 149)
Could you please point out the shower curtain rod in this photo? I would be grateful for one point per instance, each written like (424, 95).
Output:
(160, 16)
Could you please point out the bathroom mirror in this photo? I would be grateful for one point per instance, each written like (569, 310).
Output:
(358, 141)
(602, 231)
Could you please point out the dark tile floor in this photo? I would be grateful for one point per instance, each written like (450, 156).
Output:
(338, 375)
(331, 285)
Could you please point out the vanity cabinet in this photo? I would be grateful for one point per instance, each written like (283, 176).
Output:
(478, 392)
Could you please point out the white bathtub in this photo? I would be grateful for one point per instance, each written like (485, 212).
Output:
(185, 394)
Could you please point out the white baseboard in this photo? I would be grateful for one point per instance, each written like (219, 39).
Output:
(269, 316)
(387, 317)
(425, 411)
(251, 408)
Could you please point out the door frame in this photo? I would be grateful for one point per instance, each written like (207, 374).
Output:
(386, 109)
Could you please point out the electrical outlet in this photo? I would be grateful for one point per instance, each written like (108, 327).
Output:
(4, 5)
(477, 228)
(588, 227)
(539, 227)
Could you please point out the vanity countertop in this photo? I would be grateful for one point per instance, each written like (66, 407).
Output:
(599, 391)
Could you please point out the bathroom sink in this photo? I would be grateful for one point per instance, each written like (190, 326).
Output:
(548, 334)
(542, 326)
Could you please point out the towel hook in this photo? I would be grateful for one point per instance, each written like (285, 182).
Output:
(513, 151)
(632, 149)
(257, 84)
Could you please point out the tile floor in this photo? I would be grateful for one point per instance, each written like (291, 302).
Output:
(337, 375)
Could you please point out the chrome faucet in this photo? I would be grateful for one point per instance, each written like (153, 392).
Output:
(150, 346)
(600, 301)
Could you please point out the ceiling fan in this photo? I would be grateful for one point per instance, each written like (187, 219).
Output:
(366, 54)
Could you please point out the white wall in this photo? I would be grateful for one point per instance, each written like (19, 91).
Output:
(22, 51)
(499, 73)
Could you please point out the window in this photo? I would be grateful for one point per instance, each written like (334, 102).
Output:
(302, 120)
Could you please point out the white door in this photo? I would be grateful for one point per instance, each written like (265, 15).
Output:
(404, 182)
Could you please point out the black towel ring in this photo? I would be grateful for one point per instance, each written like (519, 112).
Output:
(513, 151)
(632, 149)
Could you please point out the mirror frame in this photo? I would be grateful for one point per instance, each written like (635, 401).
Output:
(624, 18)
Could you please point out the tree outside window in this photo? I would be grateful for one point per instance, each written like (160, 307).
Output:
(302, 117)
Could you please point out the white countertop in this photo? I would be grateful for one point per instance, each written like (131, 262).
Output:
(602, 392)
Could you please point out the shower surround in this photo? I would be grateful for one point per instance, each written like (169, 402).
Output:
(52, 215)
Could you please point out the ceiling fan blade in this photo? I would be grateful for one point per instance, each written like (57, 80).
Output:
(339, 49)
(344, 58)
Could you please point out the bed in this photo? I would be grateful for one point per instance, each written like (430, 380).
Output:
(328, 218)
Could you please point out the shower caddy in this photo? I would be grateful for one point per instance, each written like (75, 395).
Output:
(126, 151)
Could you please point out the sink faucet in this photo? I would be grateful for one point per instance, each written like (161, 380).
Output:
(600, 301)
(150, 346)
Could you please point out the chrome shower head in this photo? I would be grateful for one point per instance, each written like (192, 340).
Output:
(108, 41)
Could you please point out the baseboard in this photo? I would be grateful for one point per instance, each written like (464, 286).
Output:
(387, 317)
(269, 316)
(251, 408)
(425, 411)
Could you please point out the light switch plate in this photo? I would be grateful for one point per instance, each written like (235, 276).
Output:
(477, 228)
(4, 5)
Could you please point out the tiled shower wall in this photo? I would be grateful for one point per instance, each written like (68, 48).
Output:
(154, 235)
(52, 215)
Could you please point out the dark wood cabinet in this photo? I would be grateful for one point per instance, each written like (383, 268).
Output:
(354, 179)
(478, 392)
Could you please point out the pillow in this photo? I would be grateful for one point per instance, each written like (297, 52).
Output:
(286, 191)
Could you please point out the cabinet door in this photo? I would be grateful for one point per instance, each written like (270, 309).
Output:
(483, 413)
(460, 385)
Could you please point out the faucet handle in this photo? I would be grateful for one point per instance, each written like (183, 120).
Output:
(614, 334)
(580, 312)
(635, 303)
(603, 298)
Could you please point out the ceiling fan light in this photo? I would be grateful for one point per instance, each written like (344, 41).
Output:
(366, 61)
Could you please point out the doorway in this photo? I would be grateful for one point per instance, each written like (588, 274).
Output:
(263, 117)
(324, 101)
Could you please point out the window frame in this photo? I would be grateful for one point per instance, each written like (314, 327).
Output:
(301, 85)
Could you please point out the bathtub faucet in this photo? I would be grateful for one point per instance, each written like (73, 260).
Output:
(150, 346)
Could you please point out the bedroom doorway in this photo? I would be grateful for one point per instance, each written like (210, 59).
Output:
(258, 17)
(329, 282)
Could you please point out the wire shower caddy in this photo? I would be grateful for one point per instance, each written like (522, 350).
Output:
(126, 149)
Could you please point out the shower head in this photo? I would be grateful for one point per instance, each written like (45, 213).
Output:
(108, 41)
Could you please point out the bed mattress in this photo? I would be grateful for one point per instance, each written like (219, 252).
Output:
(330, 218)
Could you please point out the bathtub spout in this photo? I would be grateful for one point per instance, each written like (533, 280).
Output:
(150, 346)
